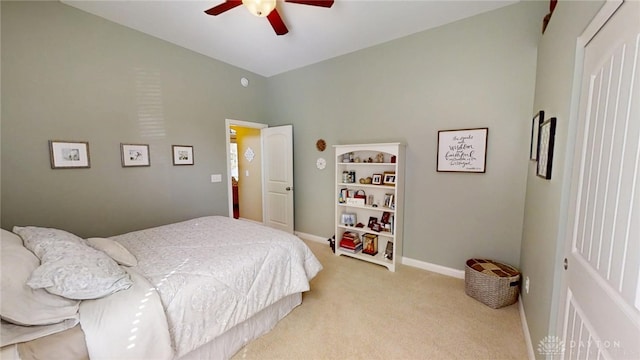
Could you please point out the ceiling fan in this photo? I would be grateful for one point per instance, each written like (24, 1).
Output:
(266, 8)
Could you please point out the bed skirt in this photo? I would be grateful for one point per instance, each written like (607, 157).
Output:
(226, 345)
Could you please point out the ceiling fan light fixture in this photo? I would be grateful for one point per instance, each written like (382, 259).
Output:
(260, 8)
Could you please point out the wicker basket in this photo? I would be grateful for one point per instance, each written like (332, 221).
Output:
(492, 283)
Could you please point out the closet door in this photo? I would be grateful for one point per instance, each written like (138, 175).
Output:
(601, 316)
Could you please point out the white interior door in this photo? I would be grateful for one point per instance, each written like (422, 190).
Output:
(277, 149)
(601, 314)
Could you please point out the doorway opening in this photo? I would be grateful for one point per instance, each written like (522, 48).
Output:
(244, 166)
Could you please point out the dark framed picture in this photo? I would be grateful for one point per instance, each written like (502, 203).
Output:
(182, 154)
(344, 194)
(69, 154)
(537, 120)
(389, 178)
(545, 153)
(370, 244)
(376, 227)
(376, 179)
(386, 217)
(462, 150)
(135, 155)
(372, 220)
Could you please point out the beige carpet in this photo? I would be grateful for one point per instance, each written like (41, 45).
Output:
(357, 310)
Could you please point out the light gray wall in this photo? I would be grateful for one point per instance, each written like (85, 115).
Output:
(542, 237)
(69, 75)
(478, 72)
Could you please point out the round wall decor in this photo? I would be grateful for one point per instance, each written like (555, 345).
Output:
(321, 145)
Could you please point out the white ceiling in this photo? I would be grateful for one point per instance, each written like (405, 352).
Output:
(315, 33)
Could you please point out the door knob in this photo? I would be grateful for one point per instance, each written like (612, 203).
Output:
(566, 263)
(288, 188)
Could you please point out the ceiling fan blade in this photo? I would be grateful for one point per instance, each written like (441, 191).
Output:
(276, 22)
(323, 3)
(227, 5)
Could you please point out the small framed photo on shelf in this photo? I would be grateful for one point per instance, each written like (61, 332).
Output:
(69, 154)
(545, 153)
(344, 194)
(348, 219)
(386, 217)
(135, 155)
(389, 178)
(376, 179)
(388, 252)
(182, 154)
(535, 139)
(370, 244)
(389, 201)
(372, 220)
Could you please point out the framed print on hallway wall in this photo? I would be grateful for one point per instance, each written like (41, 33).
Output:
(135, 155)
(462, 150)
(69, 154)
(537, 120)
(182, 154)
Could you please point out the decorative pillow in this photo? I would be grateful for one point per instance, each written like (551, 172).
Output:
(69, 267)
(21, 304)
(114, 249)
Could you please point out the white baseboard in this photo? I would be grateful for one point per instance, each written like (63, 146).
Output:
(434, 268)
(525, 330)
(406, 261)
(311, 237)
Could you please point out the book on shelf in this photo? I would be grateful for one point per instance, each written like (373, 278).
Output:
(349, 235)
(350, 240)
(357, 249)
(393, 224)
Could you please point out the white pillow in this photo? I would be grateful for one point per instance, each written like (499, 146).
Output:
(20, 304)
(69, 267)
(114, 249)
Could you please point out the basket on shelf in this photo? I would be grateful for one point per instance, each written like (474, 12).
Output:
(493, 283)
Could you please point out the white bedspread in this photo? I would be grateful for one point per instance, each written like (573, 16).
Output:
(134, 321)
(214, 272)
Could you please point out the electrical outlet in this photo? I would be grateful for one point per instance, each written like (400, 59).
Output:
(526, 285)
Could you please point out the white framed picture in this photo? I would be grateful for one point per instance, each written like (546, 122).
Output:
(135, 155)
(69, 154)
(182, 154)
(348, 219)
(462, 150)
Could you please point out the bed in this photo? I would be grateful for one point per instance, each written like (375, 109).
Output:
(198, 289)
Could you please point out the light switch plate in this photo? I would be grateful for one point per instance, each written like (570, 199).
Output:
(216, 178)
